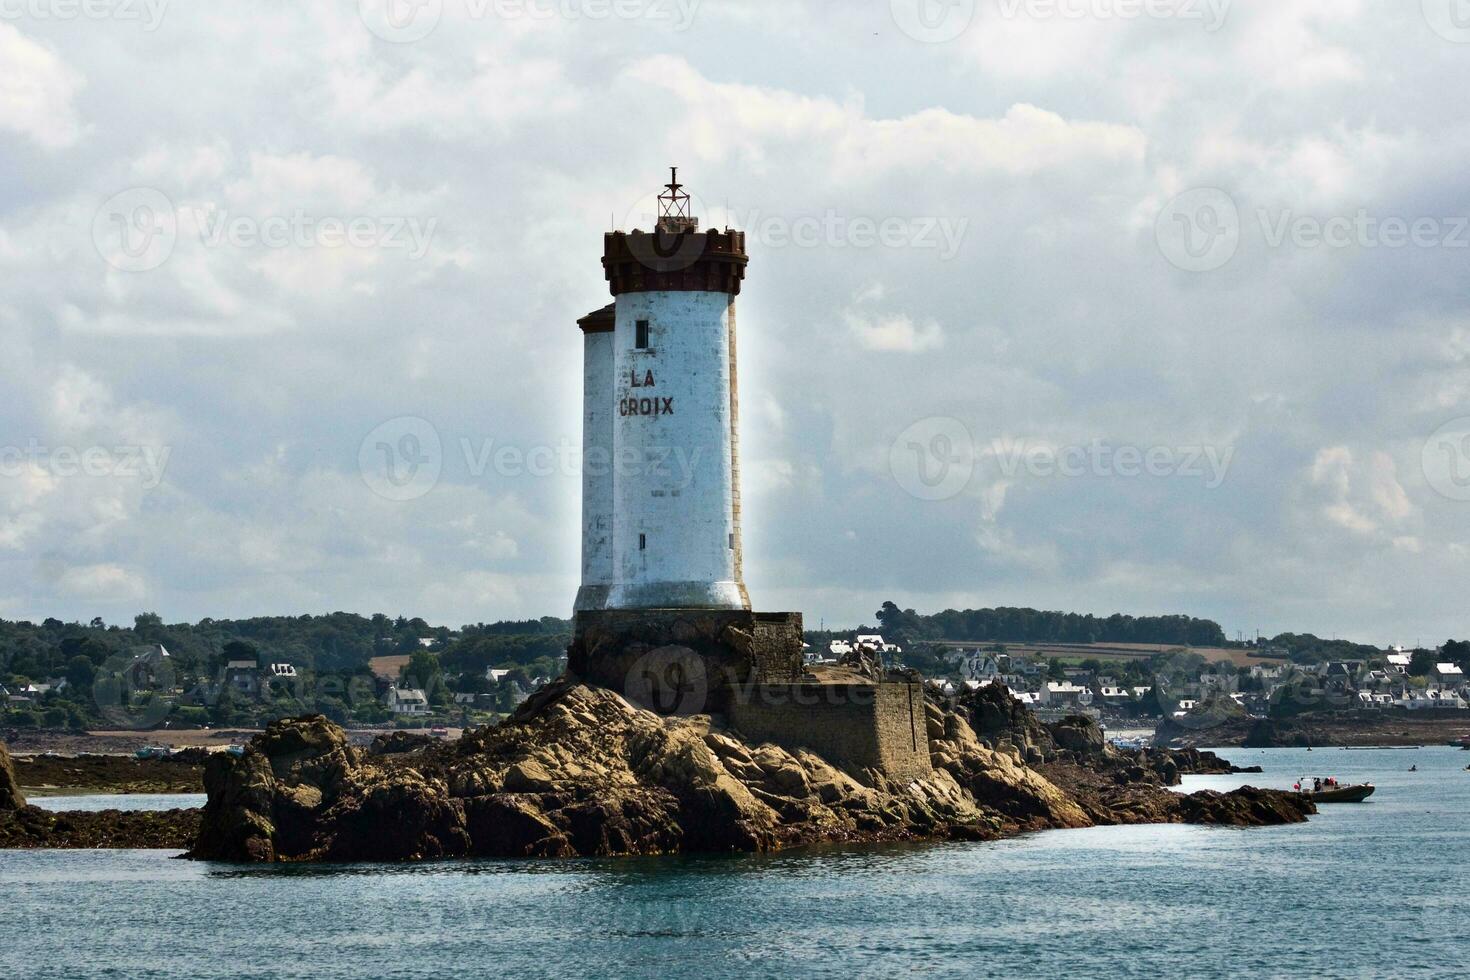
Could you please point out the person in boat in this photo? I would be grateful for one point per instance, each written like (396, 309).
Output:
(1414, 768)
(1316, 784)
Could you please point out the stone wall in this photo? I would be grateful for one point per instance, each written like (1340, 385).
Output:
(856, 726)
(684, 661)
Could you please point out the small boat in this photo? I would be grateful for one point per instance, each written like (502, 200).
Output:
(439, 731)
(1335, 792)
(152, 752)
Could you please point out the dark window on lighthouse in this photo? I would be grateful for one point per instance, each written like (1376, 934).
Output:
(640, 339)
(642, 542)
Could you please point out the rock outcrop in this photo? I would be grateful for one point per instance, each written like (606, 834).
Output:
(179, 773)
(11, 797)
(23, 826)
(32, 827)
(580, 771)
(395, 743)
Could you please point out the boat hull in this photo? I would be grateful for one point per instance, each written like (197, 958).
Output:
(1341, 794)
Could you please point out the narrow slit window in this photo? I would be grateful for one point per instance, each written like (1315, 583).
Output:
(642, 542)
(641, 335)
(732, 542)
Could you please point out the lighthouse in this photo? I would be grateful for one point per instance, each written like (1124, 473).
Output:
(661, 488)
(662, 615)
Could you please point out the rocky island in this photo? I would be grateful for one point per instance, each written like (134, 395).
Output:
(582, 771)
(26, 826)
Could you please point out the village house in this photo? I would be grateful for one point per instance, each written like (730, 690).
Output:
(1064, 694)
(152, 669)
(980, 667)
(873, 643)
(243, 677)
(406, 701)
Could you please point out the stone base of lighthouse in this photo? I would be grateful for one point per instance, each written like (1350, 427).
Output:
(684, 661)
(747, 669)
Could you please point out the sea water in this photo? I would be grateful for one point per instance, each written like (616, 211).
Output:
(1375, 889)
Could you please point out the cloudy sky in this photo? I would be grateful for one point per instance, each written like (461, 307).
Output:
(1097, 305)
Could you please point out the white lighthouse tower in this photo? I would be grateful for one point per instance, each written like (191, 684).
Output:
(661, 527)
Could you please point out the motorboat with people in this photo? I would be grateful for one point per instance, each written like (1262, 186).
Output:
(1329, 790)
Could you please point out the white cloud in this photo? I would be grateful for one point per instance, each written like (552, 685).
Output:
(37, 89)
(895, 332)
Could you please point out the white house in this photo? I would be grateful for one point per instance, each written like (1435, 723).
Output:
(978, 667)
(495, 675)
(1056, 694)
(407, 701)
(1449, 674)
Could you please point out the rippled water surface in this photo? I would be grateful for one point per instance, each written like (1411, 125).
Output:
(121, 801)
(1378, 889)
